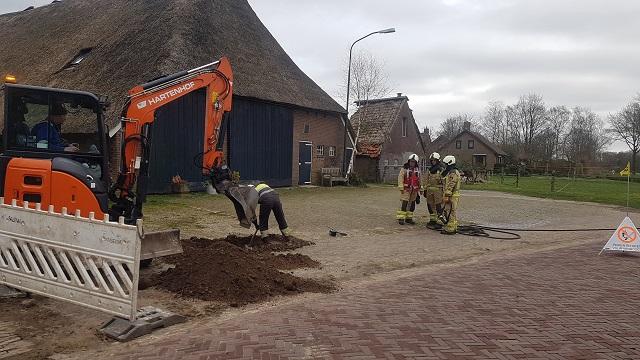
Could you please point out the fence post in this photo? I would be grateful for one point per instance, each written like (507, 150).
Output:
(553, 181)
(502, 175)
(518, 177)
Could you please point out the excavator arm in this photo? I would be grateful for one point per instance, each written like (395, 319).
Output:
(128, 192)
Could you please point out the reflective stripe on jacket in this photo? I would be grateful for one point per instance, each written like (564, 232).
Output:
(263, 189)
(433, 181)
(409, 179)
(452, 183)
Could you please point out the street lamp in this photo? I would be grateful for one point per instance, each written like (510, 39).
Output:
(385, 31)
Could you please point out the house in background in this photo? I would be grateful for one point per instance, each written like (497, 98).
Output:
(283, 127)
(386, 135)
(471, 150)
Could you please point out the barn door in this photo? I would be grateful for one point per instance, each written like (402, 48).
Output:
(304, 163)
(177, 140)
(261, 141)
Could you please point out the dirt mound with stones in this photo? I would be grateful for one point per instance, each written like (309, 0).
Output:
(275, 243)
(226, 270)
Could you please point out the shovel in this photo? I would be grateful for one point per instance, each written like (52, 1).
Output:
(334, 233)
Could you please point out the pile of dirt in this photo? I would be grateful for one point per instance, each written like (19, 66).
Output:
(275, 243)
(225, 270)
(290, 261)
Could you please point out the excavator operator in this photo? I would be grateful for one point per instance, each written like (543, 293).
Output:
(48, 131)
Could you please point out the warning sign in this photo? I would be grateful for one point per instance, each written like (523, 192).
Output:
(625, 238)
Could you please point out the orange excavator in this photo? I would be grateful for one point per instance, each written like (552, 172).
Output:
(50, 159)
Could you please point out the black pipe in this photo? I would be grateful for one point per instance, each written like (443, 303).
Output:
(164, 79)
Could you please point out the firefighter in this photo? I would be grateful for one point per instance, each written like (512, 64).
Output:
(433, 191)
(409, 184)
(452, 180)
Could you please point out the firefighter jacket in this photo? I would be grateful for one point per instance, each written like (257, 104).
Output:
(452, 182)
(432, 180)
(409, 179)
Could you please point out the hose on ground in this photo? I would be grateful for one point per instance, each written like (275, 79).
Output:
(490, 232)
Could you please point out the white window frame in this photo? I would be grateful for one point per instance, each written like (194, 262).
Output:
(319, 150)
(332, 151)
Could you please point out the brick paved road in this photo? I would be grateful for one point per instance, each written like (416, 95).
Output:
(562, 304)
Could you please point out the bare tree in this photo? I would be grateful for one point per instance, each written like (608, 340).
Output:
(452, 126)
(368, 81)
(493, 122)
(626, 125)
(558, 118)
(586, 136)
(530, 122)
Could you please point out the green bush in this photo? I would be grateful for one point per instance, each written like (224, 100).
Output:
(356, 180)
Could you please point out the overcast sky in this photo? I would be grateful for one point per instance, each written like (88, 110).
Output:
(453, 56)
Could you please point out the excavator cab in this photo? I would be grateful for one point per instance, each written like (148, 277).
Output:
(54, 139)
(55, 147)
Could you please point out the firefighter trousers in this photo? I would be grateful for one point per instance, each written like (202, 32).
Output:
(452, 225)
(408, 205)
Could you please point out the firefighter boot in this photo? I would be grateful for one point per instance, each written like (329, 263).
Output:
(401, 215)
(409, 219)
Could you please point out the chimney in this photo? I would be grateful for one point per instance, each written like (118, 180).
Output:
(466, 126)
(399, 94)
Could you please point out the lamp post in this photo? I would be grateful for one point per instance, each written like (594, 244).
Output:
(385, 31)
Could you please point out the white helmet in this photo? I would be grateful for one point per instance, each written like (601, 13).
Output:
(414, 157)
(434, 156)
(449, 160)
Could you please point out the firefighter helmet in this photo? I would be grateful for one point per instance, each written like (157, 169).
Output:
(434, 156)
(414, 157)
(449, 160)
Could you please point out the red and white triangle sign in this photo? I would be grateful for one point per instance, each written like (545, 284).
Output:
(626, 238)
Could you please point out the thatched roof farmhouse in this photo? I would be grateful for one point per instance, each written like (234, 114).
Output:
(122, 43)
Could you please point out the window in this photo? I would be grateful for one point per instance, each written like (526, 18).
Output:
(386, 162)
(83, 54)
(499, 159)
(470, 144)
(306, 128)
(320, 150)
(38, 121)
(395, 162)
(332, 151)
(404, 127)
(459, 144)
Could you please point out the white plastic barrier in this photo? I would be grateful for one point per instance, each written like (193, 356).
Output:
(86, 261)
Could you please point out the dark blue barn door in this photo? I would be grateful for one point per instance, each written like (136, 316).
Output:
(304, 163)
(177, 137)
(261, 142)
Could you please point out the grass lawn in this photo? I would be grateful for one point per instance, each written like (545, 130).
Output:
(593, 190)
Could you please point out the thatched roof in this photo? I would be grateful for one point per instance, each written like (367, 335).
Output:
(373, 121)
(133, 41)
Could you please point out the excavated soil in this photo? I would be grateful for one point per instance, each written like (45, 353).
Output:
(228, 271)
(275, 243)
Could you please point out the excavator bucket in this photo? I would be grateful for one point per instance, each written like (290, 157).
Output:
(160, 243)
